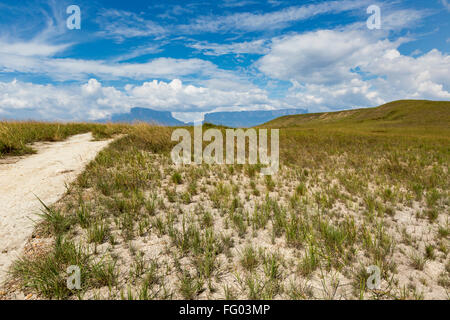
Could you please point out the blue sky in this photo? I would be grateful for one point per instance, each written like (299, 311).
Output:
(192, 57)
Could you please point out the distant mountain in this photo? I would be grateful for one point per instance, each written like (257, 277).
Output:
(246, 119)
(236, 119)
(146, 115)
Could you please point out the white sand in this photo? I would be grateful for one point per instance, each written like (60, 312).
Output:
(44, 175)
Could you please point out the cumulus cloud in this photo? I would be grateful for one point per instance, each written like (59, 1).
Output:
(328, 69)
(350, 68)
(324, 56)
(93, 101)
(355, 93)
(90, 101)
(178, 97)
(92, 87)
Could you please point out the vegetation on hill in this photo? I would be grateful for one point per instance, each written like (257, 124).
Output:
(420, 115)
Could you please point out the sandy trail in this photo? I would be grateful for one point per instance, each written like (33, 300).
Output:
(44, 175)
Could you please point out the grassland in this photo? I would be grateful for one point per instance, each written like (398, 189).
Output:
(16, 137)
(393, 115)
(355, 188)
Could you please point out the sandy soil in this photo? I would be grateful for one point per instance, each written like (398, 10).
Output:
(44, 175)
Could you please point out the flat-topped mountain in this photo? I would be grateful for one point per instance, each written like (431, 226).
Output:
(147, 115)
(246, 119)
(238, 119)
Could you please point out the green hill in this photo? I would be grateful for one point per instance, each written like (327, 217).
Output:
(392, 116)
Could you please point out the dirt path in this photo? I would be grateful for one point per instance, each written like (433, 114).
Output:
(44, 175)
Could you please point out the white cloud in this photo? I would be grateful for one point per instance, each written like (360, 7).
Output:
(92, 87)
(350, 68)
(64, 69)
(32, 48)
(140, 51)
(175, 11)
(268, 21)
(317, 97)
(120, 24)
(237, 3)
(175, 96)
(259, 46)
(345, 67)
(324, 56)
(189, 116)
(405, 18)
(92, 100)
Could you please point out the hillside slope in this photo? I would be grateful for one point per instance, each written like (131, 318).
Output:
(396, 114)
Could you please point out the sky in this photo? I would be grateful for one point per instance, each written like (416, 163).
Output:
(194, 57)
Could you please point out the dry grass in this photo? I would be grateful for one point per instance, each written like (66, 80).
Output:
(344, 199)
(15, 136)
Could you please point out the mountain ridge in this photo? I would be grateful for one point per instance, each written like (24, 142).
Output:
(242, 119)
(247, 119)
